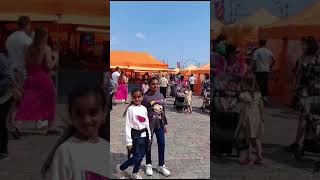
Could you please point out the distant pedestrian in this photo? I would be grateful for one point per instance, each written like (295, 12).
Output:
(145, 87)
(264, 61)
(188, 99)
(164, 83)
(192, 81)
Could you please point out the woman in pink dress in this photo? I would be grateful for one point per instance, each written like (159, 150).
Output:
(122, 92)
(39, 99)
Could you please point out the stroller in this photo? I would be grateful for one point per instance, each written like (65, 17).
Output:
(179, 101)
(225, 122)
(206, 100)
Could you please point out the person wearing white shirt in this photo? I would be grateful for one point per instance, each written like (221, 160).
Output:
(264, 61)
(137, 134)
(17, 44)
(115, 75)
(80, 154)
(163, 83)
(192, 82)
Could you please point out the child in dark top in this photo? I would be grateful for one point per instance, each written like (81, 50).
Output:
(154, 102)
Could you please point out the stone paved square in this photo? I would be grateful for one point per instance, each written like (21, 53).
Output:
(187, 153)
(279, 131)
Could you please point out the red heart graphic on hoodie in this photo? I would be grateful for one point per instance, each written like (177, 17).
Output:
(141, 119)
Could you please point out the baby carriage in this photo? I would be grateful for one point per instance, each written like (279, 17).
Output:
(226, 115)
(206, 100)
(179, 101)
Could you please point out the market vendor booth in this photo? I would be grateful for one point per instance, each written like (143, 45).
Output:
(79, 27)
(199, 73)
(286, 34)
(138, 66)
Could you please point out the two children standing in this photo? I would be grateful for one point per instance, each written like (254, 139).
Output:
(145, 116)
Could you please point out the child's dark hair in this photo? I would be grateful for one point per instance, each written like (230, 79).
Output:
(132, 92)
(153, 79)
(80, 91)
(150, 81)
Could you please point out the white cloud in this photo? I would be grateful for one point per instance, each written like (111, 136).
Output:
(140, 35)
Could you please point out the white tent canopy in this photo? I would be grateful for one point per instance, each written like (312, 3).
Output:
(260, 18)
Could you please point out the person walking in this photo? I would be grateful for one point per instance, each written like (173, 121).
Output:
(264, 61)
(116, 74)
(122, 92)
(192, 81)
(6, 99)
(16, 45)
(115, 78)
(164, 83)
(304, 81)
(39, 100)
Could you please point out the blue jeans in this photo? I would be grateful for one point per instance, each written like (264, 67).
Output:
(161, 146)
(138, 151)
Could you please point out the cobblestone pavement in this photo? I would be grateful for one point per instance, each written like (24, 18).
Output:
(187, 153)
(280, 128)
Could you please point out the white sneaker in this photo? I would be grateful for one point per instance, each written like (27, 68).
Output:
(149, 171)
(120, 173)
(164, 170)
(42, 124)
(136, 176)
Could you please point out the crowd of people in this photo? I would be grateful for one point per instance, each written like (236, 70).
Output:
(28, 93)
(27, 88)
(248, 85)
(173, 82)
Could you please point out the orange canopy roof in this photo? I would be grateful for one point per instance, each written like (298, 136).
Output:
(135, 59)
(305, 23)
(80, 7)
(81, 12)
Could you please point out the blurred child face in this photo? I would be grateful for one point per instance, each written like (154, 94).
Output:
(154, 86)
(137, 98)
(87, 115)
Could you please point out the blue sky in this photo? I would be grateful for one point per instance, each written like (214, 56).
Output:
(247, 7)
(161, 28)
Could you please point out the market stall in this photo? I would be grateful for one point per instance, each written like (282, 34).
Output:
(249, 26)
(80, 27)
(199, 73)
(187, 71)
(137, 65)
(285, 35)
